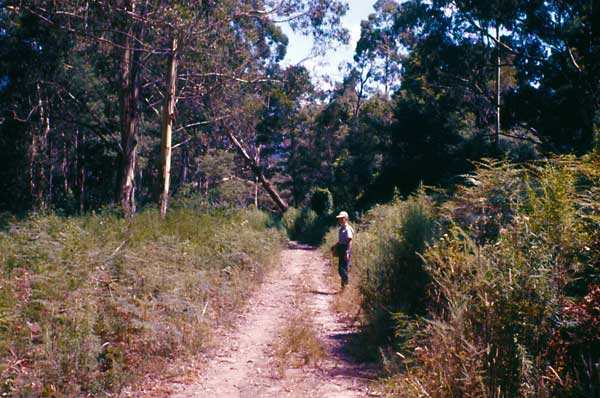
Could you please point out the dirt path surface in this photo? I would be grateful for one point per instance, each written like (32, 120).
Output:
(244, 364)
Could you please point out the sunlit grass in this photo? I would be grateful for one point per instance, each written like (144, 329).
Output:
(86, 303)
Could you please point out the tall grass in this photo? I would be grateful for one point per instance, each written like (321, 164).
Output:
(503, 295)
(388, 279)
(503, 301)
(86, 304)
(394, 282)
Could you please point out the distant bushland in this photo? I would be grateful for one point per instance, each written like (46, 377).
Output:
(311, 223)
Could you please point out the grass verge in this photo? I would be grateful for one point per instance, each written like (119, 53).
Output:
(89, 304)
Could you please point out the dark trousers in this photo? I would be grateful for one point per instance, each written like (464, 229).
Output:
(343, 264)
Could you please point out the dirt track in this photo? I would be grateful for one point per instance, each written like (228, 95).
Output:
(243, 365)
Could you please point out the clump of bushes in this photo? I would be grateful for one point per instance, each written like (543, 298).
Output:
(394, 281)
(310, 224)
(321, 201)
(87, 303)
(499, 296)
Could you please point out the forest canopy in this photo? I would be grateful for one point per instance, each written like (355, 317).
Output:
(128, 103)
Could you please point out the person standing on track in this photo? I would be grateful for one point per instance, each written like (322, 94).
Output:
(344, 246)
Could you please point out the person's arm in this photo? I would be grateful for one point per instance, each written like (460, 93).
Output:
(350, 235)
(347, 255)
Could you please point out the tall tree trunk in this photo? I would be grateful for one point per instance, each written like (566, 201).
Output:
(256, 183)
(37, 156)
(49, 197)
(283, 206)
(167, 128)
(82, 189)
(498, 93)
(359, 95)
(64, 167)
(257, 161)
(32, 170)
(185, 163)
(80, 170)
(128, 98)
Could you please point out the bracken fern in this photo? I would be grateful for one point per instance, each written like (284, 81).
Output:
(87, 303)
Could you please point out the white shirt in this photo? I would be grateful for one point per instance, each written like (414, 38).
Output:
(345, 233)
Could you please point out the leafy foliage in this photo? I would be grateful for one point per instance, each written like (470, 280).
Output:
(501, 297)
(507, 289)
(307, 226)
(83, 107)
(321, 201)
(311, 223)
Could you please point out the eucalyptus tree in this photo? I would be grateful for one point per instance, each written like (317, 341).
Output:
(558, 61)
(441, 71)
(379, 48)
(205, 46)
(530, 59)
(553, 46)
(244, 71)
(36, 110)
(452, 53)
(113, 36)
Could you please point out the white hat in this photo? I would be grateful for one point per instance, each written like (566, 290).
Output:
(342, 214)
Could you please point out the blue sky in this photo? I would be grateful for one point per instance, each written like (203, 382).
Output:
(299, 47)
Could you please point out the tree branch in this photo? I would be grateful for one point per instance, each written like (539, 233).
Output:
(573, 59)
(204, 122)
(231, 77)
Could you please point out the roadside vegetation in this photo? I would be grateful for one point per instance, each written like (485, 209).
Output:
(492, 291)
(311, 223)
(89, 304)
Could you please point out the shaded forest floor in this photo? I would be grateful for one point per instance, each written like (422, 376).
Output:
(289, 342)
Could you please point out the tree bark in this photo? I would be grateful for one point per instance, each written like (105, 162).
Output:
(82, 190)
(257, 161)
(167, 128)
(128, 98)
(283, 206)
(37, 156)
(498, 88)
(49, 197)
(64, 166)
(80, 170)
(185, 164)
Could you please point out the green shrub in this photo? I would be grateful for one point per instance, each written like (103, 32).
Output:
(503, 321)
(288, 220)
(321, 201)
(310, 224)
(307, 226)
(305, 222)
(394, 281)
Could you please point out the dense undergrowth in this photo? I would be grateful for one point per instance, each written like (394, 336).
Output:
(310, 224)
(87, 304)
(491, 292)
